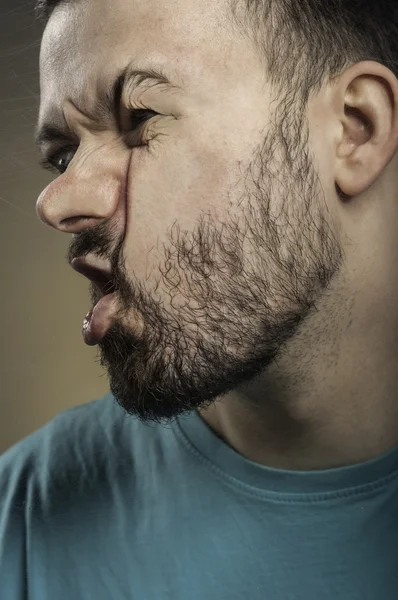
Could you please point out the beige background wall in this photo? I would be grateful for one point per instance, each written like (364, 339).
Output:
(45, 367)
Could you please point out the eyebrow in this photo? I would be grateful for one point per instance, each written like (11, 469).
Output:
(107, 104)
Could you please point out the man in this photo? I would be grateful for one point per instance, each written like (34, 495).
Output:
(227, 171)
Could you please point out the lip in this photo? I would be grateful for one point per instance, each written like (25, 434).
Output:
(101, 277)
(99, 319)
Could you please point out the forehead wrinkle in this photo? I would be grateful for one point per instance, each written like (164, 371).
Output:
(105, 106)
(132, 77)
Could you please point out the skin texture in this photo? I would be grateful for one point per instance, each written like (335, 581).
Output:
(251, 290)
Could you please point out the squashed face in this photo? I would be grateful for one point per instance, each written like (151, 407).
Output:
(212, 214)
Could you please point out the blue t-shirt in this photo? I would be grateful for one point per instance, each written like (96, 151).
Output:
(96, 505)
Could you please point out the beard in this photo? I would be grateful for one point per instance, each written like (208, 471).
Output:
(237, 291)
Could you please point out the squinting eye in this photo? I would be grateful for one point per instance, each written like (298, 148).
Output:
(52, 162)
(138, 117)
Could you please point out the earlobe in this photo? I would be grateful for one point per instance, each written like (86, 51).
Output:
(369, 137)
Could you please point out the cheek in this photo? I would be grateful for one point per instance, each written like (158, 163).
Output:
(169, 183)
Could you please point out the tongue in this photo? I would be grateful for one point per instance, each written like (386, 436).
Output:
(99, 319)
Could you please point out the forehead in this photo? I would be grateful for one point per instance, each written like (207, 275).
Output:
(86, 42)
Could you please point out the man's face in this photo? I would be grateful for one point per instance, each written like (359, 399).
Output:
(218, 227)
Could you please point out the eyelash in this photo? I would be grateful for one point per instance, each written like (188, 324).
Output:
(138, 117)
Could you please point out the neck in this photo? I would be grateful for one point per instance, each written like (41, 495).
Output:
(344, 437)
(319, 406)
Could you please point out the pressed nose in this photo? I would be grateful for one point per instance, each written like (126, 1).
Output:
(72, 204)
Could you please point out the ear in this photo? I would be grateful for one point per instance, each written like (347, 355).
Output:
(366, 102)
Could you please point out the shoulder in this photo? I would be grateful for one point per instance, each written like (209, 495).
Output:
(49, 453)
(39, 475)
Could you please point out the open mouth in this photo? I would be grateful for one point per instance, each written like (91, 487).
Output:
(104, 285)
(101, 278)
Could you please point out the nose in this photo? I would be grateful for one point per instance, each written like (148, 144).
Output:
(81, 198)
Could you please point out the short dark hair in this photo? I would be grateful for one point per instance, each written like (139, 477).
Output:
(303, 42)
